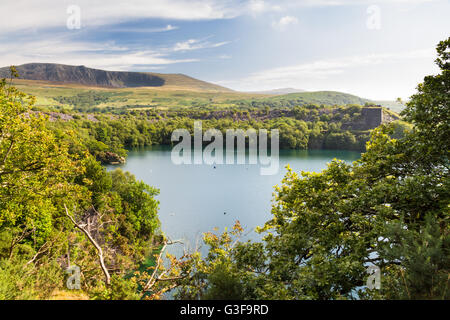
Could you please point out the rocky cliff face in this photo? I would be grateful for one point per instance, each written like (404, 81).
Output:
(82, 75)
(85, 76)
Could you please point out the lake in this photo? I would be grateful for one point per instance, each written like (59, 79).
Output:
(198, 198)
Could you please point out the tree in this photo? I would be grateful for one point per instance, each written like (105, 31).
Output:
(59, 207)
(389, 209)
(34, 167)
(35, 174)
(428, 111)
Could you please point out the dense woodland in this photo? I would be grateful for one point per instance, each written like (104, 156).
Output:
(59, 206)
(309, 127)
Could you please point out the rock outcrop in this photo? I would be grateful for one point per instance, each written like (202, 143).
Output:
(110, 158)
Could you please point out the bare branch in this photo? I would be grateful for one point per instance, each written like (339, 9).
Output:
(45, 247)
(16, 241)
(96, 245)
(153, 279)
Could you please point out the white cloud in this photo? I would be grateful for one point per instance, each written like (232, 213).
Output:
(26, 15)
(196, 44)
(323, 68)
(169, 27)
(190, 44)
(260, 6)
(284, 22)
(105, 56)
(344, 74)
(257, 6)
(308, 3)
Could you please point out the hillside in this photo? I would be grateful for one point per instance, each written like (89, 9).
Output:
(278, 91)
(58, 96)
(82, 75)
(321, 97)
(334, 98)
(84, 89)
(392, 105)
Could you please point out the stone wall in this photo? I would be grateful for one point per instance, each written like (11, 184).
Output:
(371, 117)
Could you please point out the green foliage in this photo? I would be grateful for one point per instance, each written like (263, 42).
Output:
(428, 111)
(216, 276)
(85, 99)
(300, 128)
(426, 257)
(390, 208)
(307, 98)
(139, 206)
(340, 140)
(34, 167)
(19, 281)
(43, 169)
(120, 289)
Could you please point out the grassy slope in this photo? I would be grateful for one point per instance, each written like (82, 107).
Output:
(332, 98)
(177, 93)
(180, 80)
(113, 79)
(322, 97)
(171, 95)
(392, 105)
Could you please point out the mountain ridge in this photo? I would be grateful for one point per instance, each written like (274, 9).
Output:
(38, 78)
(82, 75)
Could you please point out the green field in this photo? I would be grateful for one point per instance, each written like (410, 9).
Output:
(68, 96)
(79, 98)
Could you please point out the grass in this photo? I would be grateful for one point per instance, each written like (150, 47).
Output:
(322, 97)
(168, 96)
(174, 94)
(68, 295)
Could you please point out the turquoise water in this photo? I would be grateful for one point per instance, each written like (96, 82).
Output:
(197, 198)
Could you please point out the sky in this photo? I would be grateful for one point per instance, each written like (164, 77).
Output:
(378, 50)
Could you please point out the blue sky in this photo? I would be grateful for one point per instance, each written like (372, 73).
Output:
(374, 49)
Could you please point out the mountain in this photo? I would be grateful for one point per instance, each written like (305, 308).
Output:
(113, 79)
(333, 98)
(57, 85)
(320, 97)
(279, 91)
